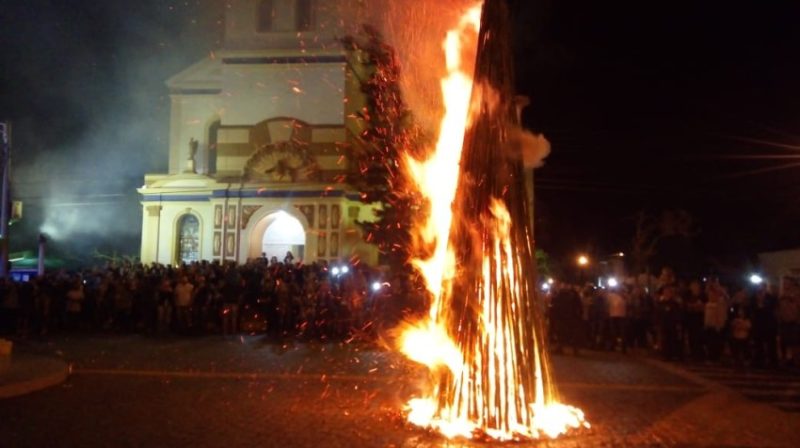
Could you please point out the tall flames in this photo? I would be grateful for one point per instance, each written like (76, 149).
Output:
(482, 338)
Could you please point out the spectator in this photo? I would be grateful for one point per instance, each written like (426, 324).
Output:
(694, 308)
(715, 316)
(9, 306)
(184, 293)
(165, 295)
(203, 296)
(598, 317)
(27, 308)
(740, 337)
(765, 328)
(639, 312)
(231, 300)
(566, 317)
(617, 307)
(74, 306)
(788, 321)
(668, 320)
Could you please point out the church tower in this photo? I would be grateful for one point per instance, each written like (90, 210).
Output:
(261, 133)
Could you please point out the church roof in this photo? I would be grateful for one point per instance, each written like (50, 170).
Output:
(204, 76)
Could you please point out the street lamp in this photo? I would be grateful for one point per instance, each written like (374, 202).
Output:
(583, 262)
(756, 279)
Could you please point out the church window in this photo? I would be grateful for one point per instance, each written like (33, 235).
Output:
(266, 12)
(188, 239)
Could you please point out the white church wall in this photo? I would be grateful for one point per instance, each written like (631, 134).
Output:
(241, 25)
(163, 246)
(311, 93)
(191, 116)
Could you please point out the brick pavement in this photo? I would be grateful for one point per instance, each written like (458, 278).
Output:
(134, 392)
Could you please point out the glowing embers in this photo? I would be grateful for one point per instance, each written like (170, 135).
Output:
(482, 338)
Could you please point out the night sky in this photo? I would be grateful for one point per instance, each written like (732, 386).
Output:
(648, 106)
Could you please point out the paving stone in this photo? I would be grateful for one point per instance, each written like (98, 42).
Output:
(212, 392)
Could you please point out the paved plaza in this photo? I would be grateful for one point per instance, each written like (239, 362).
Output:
(248, 391)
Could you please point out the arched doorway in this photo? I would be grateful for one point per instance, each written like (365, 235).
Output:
(283, 233)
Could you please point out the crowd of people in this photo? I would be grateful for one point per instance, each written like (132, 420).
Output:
(263, 296)
(698, 320)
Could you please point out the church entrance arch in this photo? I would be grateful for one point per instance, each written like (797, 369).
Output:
(276, 234)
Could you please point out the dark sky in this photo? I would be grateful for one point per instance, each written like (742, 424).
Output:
(83, 83)
(647, 104)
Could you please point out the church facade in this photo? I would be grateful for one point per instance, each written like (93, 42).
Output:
(262, 134)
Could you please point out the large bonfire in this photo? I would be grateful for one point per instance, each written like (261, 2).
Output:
(482, 338)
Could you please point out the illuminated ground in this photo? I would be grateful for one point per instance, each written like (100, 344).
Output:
(130, 391)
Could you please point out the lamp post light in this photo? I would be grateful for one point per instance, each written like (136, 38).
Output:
(756, 279)
(583, 263)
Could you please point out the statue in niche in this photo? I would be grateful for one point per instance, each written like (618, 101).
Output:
(193, 144)
(190, 162)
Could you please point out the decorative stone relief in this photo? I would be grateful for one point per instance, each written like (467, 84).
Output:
(336, 216)
(334, 244)
(321, 244)
(308, 212)
(218, 241)
(247, 213)
(217, 216)
(323, 216)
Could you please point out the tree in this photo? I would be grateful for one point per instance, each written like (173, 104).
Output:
(388, 134)
(667, 238)
(645, 239)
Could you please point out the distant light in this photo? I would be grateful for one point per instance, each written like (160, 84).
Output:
(620, 254)
(546, 286)
(376, 286)
(583, 260)
(335, 270)
(550, 280)
(756, 279)
(345, 269)
(612, 282)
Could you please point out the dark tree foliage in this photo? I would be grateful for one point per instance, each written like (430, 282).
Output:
(388, 133)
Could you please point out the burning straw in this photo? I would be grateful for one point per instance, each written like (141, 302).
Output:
(483, 339)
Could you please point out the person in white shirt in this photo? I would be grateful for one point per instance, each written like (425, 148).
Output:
(184, 293)
(615, 300)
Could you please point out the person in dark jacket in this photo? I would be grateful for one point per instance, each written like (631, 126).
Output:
(763, 309)
(668, 320)
(566, 315)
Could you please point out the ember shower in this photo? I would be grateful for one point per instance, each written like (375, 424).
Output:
(483, 338)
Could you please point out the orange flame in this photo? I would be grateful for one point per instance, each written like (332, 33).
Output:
(493, 383)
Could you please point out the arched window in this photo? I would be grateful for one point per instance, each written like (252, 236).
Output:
(188, 239)
(265, 14)
(303, 15)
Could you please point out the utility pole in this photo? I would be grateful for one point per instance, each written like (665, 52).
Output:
(5, 159)
(521, 102)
